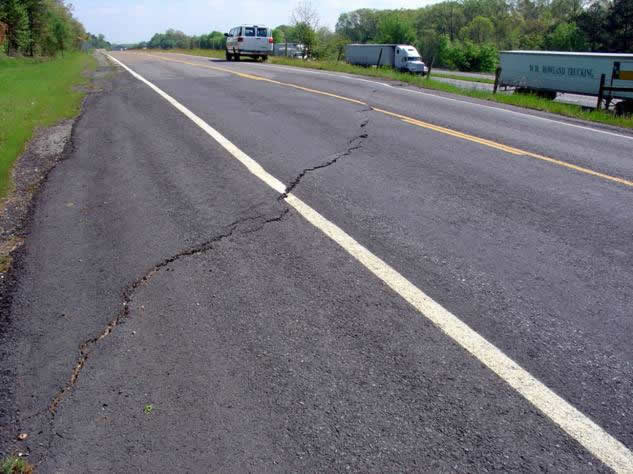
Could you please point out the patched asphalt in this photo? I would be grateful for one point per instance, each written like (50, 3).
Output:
(250, 341)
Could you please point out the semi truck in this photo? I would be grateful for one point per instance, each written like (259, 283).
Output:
(402, 57)
(550, 72)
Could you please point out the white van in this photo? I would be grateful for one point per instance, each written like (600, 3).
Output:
(249, 40)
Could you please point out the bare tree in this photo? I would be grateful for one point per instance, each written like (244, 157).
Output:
(305, 13)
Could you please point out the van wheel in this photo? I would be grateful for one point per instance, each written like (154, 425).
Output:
(229, 56)
(236, 57)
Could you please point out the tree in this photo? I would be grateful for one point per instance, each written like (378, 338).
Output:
(620, 26)
(593, 23)
(480, 30)
(14, 14)
(305, 20)
(566, 37)
(286, 33)
(36, 12)
(305, 12)
(278, 36)
(395, 28)
(329, 44)
(360, 26)
(447, 18)
(305, 35)
(566, 10)
(60, 33)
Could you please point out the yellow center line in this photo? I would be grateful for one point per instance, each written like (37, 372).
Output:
(412, 121)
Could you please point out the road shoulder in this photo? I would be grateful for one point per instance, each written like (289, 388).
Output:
(30, 172)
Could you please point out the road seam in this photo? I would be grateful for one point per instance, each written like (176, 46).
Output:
(579, 426)
(416, 122)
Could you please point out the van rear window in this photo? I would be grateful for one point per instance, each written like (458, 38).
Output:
(249, 31)
(263, 32)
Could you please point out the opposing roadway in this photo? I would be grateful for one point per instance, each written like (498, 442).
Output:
(174, 311)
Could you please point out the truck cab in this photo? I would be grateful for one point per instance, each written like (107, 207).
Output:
(408, 59)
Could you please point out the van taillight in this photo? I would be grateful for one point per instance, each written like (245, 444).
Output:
(270, 40)
(240, 39)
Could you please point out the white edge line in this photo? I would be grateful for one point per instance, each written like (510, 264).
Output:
(437, 96)
(595, 439)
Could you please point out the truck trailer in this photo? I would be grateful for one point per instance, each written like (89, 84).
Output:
(402, 57)
(551, 72)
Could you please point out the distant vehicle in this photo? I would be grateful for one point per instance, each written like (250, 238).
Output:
(550, 72)
(402, 57)
(291, 50)
(249, 40)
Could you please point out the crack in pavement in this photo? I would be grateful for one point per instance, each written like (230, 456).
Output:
(87, 347)
(353, 144)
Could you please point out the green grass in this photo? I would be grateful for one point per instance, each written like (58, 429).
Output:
(527, 101)
(482, 80)
(36, 93)
(15, 465)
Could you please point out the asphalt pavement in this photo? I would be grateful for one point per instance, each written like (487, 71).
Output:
(172, 312)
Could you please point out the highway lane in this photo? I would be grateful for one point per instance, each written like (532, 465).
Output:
(562, 230)
(598, 147)
(312, 363)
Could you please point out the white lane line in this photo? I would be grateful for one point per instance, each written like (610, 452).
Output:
(595, 439)
(436, 96)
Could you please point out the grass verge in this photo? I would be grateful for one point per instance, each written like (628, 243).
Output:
(527, 101)
(36, 93)
(15, 465)
(457, 77)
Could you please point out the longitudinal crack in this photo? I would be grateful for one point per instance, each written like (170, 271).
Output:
(86, 348)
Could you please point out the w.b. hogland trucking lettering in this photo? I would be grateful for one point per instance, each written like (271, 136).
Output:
(562, 71)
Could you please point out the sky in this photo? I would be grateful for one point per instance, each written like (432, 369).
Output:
(132, 21)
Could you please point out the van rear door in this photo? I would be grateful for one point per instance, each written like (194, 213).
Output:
(262, 35)
(248, 42)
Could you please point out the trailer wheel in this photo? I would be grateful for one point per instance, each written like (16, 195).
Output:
(624, 108)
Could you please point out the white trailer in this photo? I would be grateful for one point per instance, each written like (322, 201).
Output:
(399, 56)
(550, 72)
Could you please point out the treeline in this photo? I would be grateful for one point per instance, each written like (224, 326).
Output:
(465, 35)
(177, 39)
(43, 28)
(468, 34)
(98, 42)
